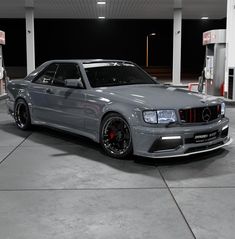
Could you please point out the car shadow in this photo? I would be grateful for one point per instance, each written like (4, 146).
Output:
(75, 145)
(70, 139)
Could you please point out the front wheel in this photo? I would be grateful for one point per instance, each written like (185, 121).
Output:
(22, 115)
(115, 136)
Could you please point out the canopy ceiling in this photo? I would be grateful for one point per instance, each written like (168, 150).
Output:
(114, 9)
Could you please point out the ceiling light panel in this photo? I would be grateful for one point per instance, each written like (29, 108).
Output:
(101, 3)
(115, 9)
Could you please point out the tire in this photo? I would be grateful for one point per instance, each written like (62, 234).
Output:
(115, 136)
(22, 115)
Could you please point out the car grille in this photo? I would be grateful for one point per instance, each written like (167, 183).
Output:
(200, 115)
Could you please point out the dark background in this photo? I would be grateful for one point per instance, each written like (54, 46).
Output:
(116, 39)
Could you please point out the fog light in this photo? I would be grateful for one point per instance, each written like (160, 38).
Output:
(171, 137)
(169, 143)
(224, 132)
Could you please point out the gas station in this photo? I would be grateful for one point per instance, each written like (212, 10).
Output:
(219, 45)
(57, 185)
(2, 42)
(215, 42)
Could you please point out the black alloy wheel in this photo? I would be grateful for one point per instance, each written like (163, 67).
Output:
(115, 136)
(22, 115)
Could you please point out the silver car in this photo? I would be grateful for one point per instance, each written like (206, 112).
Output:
(120, 106)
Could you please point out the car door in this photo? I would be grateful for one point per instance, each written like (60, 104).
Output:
(67, 103)
(41, 94)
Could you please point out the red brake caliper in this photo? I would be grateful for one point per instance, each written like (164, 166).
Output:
(111, 135)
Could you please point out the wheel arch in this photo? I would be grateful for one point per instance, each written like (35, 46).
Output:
(112, 112)
(127, 111)
(26, 99)
(20, 97)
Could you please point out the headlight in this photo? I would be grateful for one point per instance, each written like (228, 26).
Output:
(166, 116)
(223, 109)
(160, 116)
(150, 117)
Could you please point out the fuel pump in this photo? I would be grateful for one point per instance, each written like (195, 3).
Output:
(214, 71)
(2, 70)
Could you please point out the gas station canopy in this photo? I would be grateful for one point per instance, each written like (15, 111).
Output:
(127, 9)
(114, 9)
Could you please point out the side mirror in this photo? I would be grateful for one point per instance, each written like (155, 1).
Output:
(74, 83)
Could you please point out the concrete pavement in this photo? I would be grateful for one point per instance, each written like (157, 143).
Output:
(56, 185)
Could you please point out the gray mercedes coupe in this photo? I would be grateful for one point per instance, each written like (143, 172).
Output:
(119, 105)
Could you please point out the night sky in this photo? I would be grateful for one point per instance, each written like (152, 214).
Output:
(116, 39)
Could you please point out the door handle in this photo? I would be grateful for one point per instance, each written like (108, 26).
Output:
(49, 91)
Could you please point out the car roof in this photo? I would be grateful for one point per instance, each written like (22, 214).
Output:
(87, 60)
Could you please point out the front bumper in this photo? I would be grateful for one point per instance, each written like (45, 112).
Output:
(180, 141)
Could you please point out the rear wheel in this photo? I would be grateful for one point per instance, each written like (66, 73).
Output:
(115, 136)
(22, 115)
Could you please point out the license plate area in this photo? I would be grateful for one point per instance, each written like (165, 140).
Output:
(206, 137)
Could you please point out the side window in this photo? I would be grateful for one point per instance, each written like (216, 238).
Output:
(66, 71)
(47, 77)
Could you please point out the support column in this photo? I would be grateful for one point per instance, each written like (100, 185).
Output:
(1, 71)
(230, 49)
(2, 42)
(1, 63)
(30, 48)
(176, 72)
(147, 51)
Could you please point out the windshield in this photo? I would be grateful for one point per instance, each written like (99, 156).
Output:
(115, 73)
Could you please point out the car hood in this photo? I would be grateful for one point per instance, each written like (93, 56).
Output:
(159, 96)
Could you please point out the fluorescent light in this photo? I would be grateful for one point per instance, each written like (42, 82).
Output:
(101, 17)
(101, 3)
(171, 137)
(152, 34)
(204, 18)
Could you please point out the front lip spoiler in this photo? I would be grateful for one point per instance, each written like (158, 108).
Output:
(192, 153)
